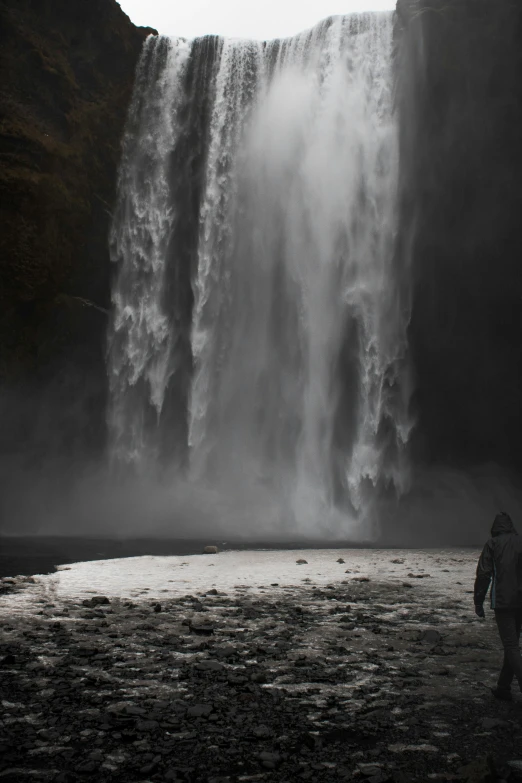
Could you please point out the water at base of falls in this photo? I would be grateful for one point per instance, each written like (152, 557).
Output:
(258, 339)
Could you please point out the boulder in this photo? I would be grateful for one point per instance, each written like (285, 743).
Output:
(97, 600)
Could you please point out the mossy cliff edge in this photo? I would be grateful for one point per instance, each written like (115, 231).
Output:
(67, 72)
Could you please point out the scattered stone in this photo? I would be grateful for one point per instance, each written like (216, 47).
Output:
(201, 629)
(492, 723)
(301, 562)
(157, 608)
(147, 725)
(210, 666)
(86, 767)
(479, 771)
(148, 768)
(132, 709)
(144, 695)
(261, 732)
(97, 600)
(431, 637)
(269, 760)
(199, 711)
(210, 550)
(340, 560)
(226, 651)
(368, 770)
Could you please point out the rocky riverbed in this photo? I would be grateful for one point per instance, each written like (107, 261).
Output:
(320, 665)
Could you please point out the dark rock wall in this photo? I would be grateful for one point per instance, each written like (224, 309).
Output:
(67, 70)
(460, 93)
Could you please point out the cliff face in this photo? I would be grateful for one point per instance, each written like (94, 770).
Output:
(460, 82)
(67, 74)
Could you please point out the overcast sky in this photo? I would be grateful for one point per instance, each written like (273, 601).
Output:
(262, 19)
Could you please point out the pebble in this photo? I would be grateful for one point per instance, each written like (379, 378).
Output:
(214, 666)
(269, 760)
(200, 628)
(97, 600)
(226, 651)
(261, 731)
(147, 725)
(492, 723)
(431, 637)
(370, 769)
(199, 710)
(86, 767)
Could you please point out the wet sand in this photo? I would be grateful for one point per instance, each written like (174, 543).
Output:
(29, 555)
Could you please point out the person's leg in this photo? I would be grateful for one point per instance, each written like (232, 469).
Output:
(509, 632)
(518, 621)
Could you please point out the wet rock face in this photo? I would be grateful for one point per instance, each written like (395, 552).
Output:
(461, 161)
(67, 76)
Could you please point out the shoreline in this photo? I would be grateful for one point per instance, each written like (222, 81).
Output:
(26, 556)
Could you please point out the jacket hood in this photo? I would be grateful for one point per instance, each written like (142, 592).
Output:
(502, 524)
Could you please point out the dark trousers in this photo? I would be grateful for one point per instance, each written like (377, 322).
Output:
(509, 623)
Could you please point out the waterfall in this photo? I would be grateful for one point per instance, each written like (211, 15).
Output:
(141, 361)
(281, 336)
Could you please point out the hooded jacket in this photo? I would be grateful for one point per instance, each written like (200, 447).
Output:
(500, 565)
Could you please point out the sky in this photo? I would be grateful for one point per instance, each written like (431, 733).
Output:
(240, 18)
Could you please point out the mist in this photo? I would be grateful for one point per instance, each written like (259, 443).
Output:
(444, 508)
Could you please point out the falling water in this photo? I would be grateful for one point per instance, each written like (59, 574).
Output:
(141, 361)
(296, 318)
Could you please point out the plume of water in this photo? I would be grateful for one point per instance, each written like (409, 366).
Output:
(299, 384)
(140, 336)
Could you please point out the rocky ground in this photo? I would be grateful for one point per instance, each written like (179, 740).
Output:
(355, 673)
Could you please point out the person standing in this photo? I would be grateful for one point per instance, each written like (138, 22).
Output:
(500, 565)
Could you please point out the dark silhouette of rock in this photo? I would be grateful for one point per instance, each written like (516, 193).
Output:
(96, 600)
(67, 77)
(459, 65)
